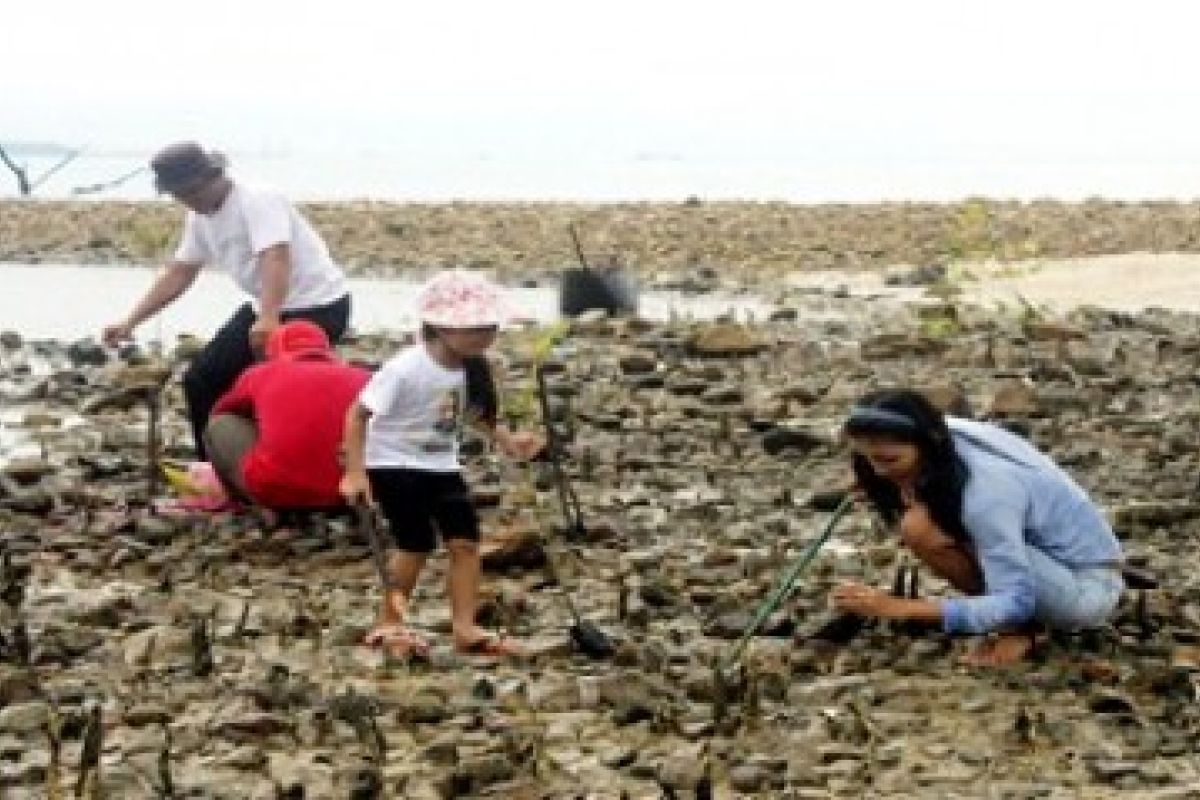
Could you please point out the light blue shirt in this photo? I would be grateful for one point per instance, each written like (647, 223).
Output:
(1017, 498)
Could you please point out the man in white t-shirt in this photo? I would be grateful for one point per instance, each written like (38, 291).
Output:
(269, 250)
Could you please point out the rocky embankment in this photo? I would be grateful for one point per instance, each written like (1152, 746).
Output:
(201, 656)
(690, 242)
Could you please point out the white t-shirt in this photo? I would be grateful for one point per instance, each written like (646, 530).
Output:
(416, 408)
(247, 223)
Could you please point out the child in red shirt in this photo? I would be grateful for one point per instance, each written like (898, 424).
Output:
(274, 437)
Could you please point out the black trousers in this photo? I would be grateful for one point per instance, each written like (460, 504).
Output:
(228, 353)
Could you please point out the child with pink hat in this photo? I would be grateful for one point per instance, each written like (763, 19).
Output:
(401, 446)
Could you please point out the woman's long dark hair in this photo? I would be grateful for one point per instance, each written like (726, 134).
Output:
(908, 416)
(482, 402)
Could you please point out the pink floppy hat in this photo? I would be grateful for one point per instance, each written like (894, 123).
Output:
(460, 299)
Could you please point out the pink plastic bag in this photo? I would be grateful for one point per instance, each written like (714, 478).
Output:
(198, 487)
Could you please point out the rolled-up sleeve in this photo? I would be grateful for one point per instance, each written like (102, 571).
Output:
(1009, 598)
(268, 221)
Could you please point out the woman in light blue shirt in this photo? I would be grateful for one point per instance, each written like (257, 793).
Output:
(992, 515)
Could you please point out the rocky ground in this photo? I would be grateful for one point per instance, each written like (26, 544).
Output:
(752, 243)
(156, 655)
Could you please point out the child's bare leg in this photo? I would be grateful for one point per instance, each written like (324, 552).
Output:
(462, 584)
(403, 569)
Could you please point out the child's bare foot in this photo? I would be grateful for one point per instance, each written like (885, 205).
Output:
(481, 643)
(1001, 650)
(397, 640)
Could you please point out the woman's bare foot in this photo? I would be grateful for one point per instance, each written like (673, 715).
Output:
(1001, 650)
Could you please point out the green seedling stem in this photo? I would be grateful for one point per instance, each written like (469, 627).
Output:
(783, 588)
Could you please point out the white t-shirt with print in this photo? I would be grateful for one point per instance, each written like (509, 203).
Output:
(247, 223)
(416, 408)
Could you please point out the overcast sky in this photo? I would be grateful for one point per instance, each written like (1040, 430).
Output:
(860, 82)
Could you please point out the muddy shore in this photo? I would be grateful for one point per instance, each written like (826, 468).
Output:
(747, 243)
(201, 653)
(160, 655)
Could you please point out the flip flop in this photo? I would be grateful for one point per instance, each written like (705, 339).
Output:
(397, 640)
(283, 534)
(499, 646)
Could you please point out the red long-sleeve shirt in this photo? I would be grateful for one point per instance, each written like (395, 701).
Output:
(299, 407)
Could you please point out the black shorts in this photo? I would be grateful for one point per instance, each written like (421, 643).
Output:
(415, 501)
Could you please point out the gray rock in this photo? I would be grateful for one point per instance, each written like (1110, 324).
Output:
(480, 771)
(27, 470)
(639, 363)
(423, 709)
(156, 530)
(24, 718)
(87, 353)
(722, 395)
(1111, 770)
(750, 778)
(680, 771)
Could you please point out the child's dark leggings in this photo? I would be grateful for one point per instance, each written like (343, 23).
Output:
(419, 505)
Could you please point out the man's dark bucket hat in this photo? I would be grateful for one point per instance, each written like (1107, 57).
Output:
(184, 166)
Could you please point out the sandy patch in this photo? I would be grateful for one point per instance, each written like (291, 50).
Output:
(1128, 282)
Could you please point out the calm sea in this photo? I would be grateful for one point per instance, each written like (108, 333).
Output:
(806, 178)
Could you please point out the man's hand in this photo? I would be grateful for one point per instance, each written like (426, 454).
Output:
(355, 487)
(260, 331)
(865, 601)
(114, 335)
(275, 270)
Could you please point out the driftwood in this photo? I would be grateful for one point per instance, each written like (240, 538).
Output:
(62, 162)
(104, 186)
(23, 185)
(26, 186)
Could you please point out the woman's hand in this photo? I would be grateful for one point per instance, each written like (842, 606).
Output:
(866, 601)
(355, 487)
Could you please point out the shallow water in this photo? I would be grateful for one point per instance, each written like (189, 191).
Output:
(71, 302)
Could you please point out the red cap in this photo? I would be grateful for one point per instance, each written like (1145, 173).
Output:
(298, 339)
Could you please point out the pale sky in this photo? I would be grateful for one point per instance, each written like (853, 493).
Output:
(855, 82)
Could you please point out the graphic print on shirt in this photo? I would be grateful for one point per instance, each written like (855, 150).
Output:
(446, 424)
